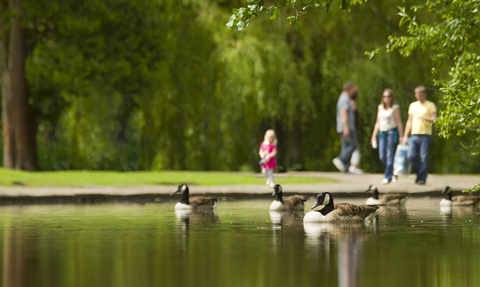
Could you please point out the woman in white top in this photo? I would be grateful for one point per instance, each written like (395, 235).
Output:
(389, 129)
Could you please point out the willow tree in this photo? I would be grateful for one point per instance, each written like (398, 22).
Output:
(19, 143)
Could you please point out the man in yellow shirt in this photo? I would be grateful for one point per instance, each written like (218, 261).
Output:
(421, 115)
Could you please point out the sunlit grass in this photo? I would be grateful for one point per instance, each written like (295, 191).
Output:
(85, 178)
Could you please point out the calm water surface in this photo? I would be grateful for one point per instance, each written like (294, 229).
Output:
(242, 244)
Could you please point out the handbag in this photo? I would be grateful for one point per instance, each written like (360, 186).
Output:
(401, 165)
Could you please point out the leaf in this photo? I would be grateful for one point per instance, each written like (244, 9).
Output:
(292, 19)
(298, 25)
(327, 7)
(274, 14)
(241, 25)
(307, 1)
(230, 25)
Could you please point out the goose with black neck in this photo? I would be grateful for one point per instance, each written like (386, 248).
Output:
(339, 212)
(193, 203)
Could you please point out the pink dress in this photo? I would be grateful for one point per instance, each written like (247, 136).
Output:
(272, 163)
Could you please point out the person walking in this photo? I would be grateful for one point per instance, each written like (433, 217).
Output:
(345, 128)
(421, 115)
(268, 151)
(389, 129)
(356, 155)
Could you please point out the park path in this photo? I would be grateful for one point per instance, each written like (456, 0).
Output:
(343, 184)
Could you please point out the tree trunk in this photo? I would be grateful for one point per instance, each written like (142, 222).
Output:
(20, 150)
(295, 157)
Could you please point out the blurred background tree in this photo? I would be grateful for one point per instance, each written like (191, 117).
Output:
(161, 85)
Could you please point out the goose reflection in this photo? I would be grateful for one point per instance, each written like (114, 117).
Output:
(196, 216)
(458, 211)
(279, 218)
(349, 238)
(391, 212)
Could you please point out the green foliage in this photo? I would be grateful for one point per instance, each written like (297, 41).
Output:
(451, 39)
(160, 85)
(242, 16)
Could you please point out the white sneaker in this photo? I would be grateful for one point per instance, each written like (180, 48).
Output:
(268, 181)
(394, 178)
(355, 170)
(339, 164)
(272, 184)
(385, 181)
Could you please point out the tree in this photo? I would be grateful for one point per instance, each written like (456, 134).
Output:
(241, 16)
(446, 31)
(452, 40)
(18, 123)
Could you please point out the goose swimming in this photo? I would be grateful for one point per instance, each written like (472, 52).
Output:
(339, 212)
(205, 202)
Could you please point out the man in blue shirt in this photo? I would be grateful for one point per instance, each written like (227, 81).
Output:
(346, 128)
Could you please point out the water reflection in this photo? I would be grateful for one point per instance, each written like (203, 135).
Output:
(349, 239)
(16, 260)
(392, 211)
(196, 216)
(458, 211)
(244, 245)
(279, 218)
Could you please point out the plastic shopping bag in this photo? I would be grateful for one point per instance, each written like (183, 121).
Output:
(400, 162)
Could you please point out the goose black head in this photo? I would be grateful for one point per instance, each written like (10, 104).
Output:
(277, 189)
(181, 188)
(322, 199)
(373, 188)
(447, 189)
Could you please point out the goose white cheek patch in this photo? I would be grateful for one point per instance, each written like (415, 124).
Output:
(184, 187)
(326, 200)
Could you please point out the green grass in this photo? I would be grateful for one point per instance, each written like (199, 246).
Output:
(84, 178)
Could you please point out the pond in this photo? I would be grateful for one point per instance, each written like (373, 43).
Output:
(242, 244)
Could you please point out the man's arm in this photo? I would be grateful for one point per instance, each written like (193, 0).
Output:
(408, 127)
(344, 117)
(431, 119)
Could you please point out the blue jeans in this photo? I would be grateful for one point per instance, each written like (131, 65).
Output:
(387, 145)
(349, 144)
(418, 145)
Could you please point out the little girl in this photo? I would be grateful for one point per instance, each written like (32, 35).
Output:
(268, 151)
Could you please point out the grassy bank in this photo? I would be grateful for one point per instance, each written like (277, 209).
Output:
(85, 178)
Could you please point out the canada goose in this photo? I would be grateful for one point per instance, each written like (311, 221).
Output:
(459, 200)
(385, 199)
(293, 202)
(339, 212)
(194, 202)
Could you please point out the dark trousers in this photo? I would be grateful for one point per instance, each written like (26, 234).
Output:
(349, 144)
